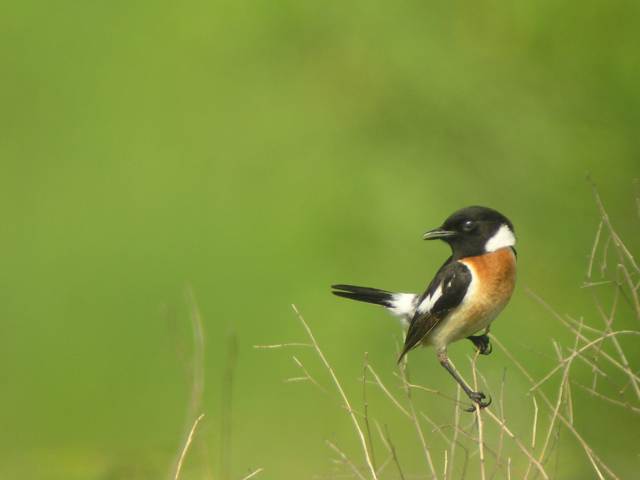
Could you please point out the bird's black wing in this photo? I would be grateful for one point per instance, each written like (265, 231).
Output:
(445, 292)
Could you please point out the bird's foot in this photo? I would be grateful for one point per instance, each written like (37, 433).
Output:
(482, 343)
(478, 399)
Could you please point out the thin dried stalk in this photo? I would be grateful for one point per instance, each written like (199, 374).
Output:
(456, 424)
(436, 428)
(386, 440)
(483, 474)
(501, 434)
(388, 393)
(343, 395)
(366, 409)
(517, 441)
(446, 465)
(613, 401)
(533, 435)
(416, 422)
(307, 375)
(346, 460)
(185, 448)
(556, 412)
(253, 474)
(632, 289)
(594, 249)
(535, 423)
(282, 345)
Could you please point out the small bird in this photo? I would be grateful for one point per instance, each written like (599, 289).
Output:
(466, 294)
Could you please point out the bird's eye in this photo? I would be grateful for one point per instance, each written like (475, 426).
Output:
(468, 226)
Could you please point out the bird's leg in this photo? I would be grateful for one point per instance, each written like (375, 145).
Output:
(482, 342)
(475, 397)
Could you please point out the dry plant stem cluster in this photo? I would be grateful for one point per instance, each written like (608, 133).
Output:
(535, 461)
(479, 449)
(347, 404)
(414, 416)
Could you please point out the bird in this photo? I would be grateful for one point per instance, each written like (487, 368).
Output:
(466, 294)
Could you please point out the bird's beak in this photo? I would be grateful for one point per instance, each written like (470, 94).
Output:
(438, 233)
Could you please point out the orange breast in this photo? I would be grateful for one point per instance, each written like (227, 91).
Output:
(496, 275)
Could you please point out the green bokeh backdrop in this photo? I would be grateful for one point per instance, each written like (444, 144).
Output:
(260, 151)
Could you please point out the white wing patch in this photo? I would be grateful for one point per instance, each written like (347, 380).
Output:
(430, 300)
(504, 237)
(403, 304)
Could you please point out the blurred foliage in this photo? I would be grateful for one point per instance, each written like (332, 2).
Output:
(259, 152)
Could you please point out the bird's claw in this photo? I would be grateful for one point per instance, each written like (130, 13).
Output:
(478, 399)
(482, 343)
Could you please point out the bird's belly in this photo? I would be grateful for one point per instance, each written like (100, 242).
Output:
(460, 324)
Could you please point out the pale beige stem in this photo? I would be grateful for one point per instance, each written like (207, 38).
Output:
(185, 448)
(483, 474)
(347, 404)
(346, 460)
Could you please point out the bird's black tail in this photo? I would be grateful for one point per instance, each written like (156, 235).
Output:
(364, 294)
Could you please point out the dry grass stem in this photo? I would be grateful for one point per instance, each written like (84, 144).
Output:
(416, 422)
(499, 462)
(307, 376)
(533, 435)
(185, 448)
(517, 441)
(343, 395)
(282, 345)
(555, 414)
(346, 460)
(483, 474)
(613, 401)
(592, 257)
(388, 393)
(296, 379)
(366, 408)
(436, 428)
(535, 423)
(253, 474)
(445, 468)
(456, 425)
(386, 440)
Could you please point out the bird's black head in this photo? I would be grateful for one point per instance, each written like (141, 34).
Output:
(475, 230)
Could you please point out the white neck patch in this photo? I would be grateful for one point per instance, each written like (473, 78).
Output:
(504, 237)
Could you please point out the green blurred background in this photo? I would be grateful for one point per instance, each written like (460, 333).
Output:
(260, 151)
